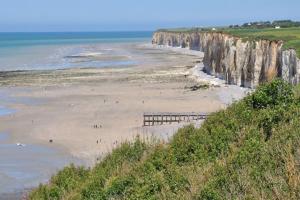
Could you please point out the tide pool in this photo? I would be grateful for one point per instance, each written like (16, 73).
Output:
(6, 111)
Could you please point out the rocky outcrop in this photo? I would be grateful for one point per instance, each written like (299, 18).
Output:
(245, 63)
(290, 66)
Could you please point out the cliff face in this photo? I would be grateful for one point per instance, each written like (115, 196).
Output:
(245, 63)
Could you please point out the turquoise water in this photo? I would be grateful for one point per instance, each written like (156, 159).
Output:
(12, 40)
(36, 51)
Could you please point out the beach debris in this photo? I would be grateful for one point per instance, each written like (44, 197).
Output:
(189, 66)
(97, 126)
(20, 144)
(117, 102)
(50, 140)
(198, 87)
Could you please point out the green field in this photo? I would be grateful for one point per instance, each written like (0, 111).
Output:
(248, 151)
(290, 36)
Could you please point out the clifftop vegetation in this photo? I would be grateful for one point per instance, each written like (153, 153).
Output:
(248, 151)
(248, 25)
(289, 32)
(268, 24)
(290, 36)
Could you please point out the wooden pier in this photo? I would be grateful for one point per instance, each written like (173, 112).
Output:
(152, 119)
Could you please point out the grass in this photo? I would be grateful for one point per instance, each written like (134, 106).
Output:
(248, 151)
(290, 36)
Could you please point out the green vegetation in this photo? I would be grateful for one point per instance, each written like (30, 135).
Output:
(290, 36)
(268, 24)
(248, 151)
(289, 32)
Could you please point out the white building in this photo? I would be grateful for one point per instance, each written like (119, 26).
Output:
(277, 27)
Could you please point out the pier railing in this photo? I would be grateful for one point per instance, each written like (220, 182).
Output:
(152, 119)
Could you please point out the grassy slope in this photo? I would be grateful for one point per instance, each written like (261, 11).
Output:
(248, 151)
(290, 36)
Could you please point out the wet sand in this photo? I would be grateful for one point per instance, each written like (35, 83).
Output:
(87, 112)
(25, 166)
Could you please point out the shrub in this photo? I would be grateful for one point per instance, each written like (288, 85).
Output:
(119, 185)
(93, 191)
(209, 193)
(176, 180)
(278, 92)
(181, 145)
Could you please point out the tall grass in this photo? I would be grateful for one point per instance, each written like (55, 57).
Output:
(248, 151)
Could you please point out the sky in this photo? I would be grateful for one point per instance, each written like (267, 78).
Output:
(131, 15)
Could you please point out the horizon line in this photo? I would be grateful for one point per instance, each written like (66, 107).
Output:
(104, 31)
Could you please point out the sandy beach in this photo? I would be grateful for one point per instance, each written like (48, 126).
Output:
(89, 111)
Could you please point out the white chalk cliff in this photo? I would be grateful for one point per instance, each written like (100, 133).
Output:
(245, 63)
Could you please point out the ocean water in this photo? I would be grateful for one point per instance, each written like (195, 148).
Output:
(26, 166)
(39, 51)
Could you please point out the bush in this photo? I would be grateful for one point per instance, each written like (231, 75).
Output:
(209, 193)
(119, 185)
(175, 180)
(278, 92)
(181, 145)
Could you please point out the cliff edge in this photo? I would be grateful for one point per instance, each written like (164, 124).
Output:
(238, 61)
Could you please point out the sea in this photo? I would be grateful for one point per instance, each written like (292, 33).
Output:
(24, 166)
(62, 50)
